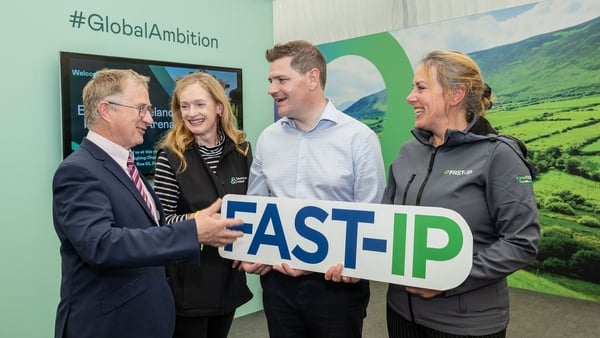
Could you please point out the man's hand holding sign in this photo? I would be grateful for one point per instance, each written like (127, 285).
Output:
(420, 247)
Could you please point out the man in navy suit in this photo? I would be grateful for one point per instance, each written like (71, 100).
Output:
(113, 245)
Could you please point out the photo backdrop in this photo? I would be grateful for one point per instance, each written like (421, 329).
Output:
(542, 61)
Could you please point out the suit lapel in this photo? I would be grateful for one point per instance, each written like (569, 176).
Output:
(113, 167)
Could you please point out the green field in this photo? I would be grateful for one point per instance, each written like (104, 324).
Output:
(555, 285)
(557, 120)
(565, 125)
(554, 181)
(592, 147)
(564, 140)
(503, 117)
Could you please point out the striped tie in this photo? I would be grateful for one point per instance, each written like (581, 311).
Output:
(135, 177)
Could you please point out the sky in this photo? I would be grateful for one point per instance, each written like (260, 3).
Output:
(351, 77)
(484, 31)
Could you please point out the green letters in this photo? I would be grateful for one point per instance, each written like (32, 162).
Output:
(399, 245)
(422, 253)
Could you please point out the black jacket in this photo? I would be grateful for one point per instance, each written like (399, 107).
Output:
(213, 287)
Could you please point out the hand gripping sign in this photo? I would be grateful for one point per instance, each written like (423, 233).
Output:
(426, 247)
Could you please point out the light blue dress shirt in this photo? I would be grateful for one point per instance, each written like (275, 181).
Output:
(339, 160)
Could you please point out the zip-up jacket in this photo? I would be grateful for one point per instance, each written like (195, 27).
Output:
(213, 287)
(486, 179)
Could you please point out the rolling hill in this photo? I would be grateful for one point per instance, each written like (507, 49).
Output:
(552, 66)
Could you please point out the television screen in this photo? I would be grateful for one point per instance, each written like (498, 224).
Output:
(77, 69)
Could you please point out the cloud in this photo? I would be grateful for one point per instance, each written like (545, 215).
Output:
(350, 78)
(488, 30)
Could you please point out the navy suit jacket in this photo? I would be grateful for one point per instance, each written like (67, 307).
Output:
(113, 254)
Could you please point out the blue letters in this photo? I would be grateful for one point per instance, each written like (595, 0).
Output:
(270, 215)
(311, 234)
(232, 207)
(352, 218)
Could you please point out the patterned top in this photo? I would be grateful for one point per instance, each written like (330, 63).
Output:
(168, 189)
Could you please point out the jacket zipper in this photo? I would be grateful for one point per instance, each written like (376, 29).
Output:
(418, 202)
(410, 180)
(429, 168)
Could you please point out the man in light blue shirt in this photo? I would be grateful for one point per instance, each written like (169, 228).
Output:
(313, 152)
(338, 159)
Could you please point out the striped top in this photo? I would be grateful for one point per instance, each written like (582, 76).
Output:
(165, 181)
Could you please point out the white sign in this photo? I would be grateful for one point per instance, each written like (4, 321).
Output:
(425, 247)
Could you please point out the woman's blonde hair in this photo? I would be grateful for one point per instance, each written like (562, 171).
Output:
(456, 69)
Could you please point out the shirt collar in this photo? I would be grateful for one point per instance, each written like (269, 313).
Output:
(330, 115)
(115, 151)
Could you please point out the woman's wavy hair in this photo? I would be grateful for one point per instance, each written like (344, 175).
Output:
(179, 138)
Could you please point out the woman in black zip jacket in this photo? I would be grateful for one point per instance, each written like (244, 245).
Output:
(202, 158)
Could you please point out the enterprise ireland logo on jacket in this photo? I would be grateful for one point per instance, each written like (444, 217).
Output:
(524, 179)
(238, 179)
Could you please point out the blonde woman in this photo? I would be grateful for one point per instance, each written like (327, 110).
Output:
(203, 157)
(493, 192)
